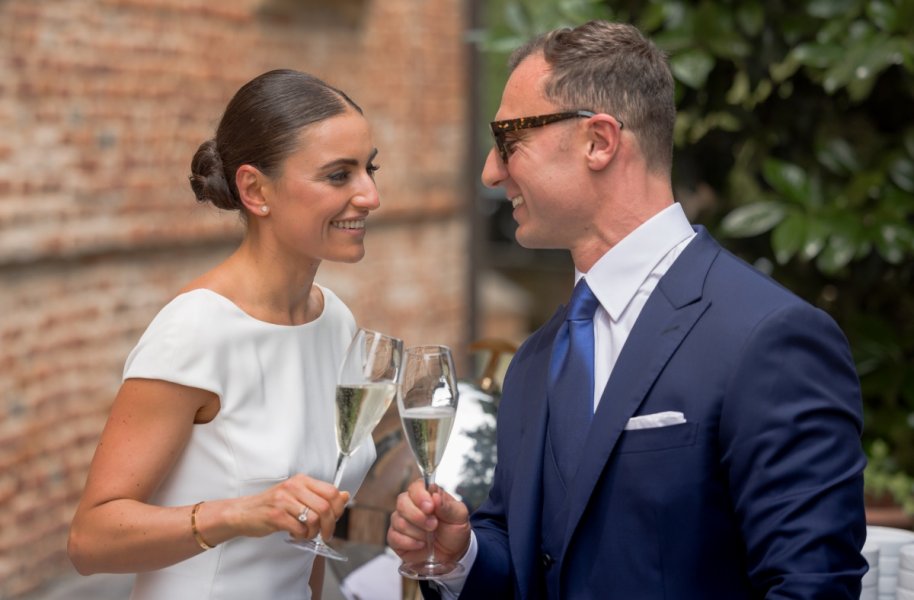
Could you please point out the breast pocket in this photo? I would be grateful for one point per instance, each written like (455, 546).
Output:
(657, 439)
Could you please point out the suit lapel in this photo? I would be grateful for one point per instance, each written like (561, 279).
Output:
(525, 503)
(667, 317)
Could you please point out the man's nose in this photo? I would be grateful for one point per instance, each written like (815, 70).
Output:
(494, 171)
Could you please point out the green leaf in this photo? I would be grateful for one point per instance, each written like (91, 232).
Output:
(838, 156)
(679, 32)
(816, 236)
(724, 121)
(788, 237)
(892, 242)
(751, 17)
(863, 186)
(898, 202)
(882, 13)
(787, 179)
(866, 54)
(579, 11)
(677, 14)
(762, 91)
(784, 70)
(880, 54)
(518, 18)
(909, 141)
(651, 17)
(739, 91)
(905, 14)
(672, 41)
(864, 247)
(838, 252)
(901, 172)
(840, 73)
(827, 9)
(715, 29)
(820, 56)
(752, 219)
(859, 30)
(785, 90)
(692, 67)
(505, 45)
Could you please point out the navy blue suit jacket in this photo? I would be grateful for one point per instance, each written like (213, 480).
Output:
(758, 495)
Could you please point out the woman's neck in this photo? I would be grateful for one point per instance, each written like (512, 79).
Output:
(267, 285)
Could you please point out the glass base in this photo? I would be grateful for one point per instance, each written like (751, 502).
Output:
(318, 547)
(424, 571)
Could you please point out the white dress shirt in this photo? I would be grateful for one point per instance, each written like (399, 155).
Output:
(622, 280)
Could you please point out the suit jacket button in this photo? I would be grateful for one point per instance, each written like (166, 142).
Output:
(548, 561)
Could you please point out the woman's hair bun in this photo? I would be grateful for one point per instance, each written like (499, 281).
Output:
(207, 178)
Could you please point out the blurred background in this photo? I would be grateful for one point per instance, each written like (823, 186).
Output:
(795, 146)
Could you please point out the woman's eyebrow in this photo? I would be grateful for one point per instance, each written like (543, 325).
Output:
(348, 162)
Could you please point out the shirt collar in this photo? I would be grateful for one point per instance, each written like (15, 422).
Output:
(618, 275)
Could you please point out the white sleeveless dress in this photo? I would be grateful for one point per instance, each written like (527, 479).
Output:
(276, 386)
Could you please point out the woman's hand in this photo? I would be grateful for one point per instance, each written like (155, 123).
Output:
(419, 512)
(279, 507)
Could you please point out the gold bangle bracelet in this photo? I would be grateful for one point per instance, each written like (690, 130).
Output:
(196, 532)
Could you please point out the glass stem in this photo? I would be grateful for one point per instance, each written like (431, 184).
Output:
(341, 461)
(430, 536)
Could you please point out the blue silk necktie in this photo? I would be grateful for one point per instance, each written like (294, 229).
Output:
(571, 380)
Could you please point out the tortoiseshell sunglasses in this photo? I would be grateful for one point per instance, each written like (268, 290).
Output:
(500, 128)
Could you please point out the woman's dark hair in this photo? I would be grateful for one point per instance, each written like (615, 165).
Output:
(260, 127)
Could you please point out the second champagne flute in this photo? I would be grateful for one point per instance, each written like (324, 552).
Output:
(428, 404)
(365, 388)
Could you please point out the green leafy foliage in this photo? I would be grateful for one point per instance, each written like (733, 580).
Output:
(799, 116)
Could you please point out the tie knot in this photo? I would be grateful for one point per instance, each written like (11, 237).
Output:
(583, 304)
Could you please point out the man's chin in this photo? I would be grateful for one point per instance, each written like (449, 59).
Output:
(531, 241)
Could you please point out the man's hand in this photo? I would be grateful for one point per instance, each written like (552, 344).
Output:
(420, 513)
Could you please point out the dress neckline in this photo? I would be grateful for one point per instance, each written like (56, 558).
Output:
(253, 319)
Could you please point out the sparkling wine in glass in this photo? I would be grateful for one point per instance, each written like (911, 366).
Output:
(366, 386)
(427, 401)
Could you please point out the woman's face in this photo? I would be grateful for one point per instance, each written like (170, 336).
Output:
(320, 201)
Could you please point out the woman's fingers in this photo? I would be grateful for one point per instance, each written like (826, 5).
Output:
(324, 502)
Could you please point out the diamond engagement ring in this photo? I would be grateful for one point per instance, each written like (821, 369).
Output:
(303, 514)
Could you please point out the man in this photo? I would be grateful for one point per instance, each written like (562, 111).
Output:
(718, 452)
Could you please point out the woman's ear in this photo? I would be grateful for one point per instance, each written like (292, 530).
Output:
(603, 135)
(252, 184)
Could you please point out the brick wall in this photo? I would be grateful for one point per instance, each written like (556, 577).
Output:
(102, 104)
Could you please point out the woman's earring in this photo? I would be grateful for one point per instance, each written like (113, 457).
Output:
(264, 209)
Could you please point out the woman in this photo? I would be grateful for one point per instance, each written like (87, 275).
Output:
(222, 432)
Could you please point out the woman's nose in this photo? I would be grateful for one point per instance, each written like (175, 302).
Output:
(368, 198)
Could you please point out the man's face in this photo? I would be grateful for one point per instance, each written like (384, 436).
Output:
(544, 168)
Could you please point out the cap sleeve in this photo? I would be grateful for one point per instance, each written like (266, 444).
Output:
(178, 347)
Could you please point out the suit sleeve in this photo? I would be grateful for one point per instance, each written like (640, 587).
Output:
(790, 442)
(492, 575)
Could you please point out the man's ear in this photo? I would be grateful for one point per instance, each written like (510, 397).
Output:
(252, 184)
(603, 136)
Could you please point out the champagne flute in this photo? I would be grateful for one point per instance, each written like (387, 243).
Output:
(428, 404)
(366, 386)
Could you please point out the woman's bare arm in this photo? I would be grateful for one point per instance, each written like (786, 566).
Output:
(116, 531)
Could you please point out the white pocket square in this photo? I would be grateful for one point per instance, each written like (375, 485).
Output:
(661, 419)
